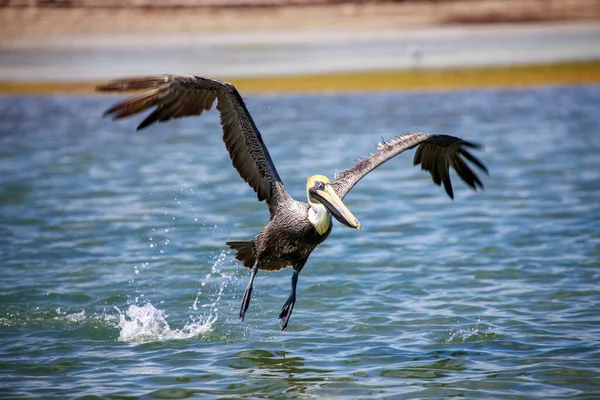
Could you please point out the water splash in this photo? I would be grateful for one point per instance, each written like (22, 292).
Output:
(147, 323)
(75, 317)
(213, 307)
(480, 331)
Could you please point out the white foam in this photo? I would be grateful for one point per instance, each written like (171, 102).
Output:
(147, 324)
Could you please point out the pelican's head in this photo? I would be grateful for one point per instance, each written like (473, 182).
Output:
(321, 194)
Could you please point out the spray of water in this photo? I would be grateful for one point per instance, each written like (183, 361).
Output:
(147, 323)
(481, 331)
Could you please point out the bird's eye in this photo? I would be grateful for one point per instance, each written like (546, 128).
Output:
(318, 184)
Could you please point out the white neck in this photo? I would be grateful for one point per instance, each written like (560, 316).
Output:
(319, 217)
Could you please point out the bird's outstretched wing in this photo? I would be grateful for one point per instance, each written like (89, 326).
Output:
(176, 96)
(436, 154)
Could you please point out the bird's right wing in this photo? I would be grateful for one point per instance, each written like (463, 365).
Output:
(176, 96)
(436, 154)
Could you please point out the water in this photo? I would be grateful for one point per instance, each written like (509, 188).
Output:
(116, 281)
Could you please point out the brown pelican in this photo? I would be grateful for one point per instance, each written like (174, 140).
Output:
(295, 228)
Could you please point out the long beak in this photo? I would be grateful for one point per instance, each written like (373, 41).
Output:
(329, 198)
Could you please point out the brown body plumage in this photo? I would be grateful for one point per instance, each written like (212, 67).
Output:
(287, 240)
(295, 228)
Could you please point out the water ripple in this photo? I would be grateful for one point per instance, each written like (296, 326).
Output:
(116, 281)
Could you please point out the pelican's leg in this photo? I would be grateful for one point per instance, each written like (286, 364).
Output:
(286, 311)
(248, 292)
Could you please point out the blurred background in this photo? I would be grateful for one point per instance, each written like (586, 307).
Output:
(391, 44)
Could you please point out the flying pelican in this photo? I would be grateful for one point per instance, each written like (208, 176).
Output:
(295, 228)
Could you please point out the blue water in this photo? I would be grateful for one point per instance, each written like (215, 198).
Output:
(116, 282)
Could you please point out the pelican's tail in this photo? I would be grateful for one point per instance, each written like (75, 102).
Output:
(245, 252)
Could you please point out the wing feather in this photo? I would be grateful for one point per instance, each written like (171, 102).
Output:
(176, 96)
(473, 159)
(435, 153)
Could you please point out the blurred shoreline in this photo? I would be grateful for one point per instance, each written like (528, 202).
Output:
(76, 17)
(402, 43)
(446, 79)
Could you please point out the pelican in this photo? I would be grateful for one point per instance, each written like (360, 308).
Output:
(295, 228)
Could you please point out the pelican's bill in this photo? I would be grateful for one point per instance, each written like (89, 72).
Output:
(329, 198)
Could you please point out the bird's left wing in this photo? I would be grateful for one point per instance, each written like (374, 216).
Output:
(176, 96)
(436, 154)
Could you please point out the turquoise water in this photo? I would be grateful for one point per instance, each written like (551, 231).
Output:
(116, 281)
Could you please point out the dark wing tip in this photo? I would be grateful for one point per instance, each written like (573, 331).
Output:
(474, 159)
(146, 122)
(152, 118)
(440, 152)
(472, 145)
(448, 186)
(466, 172)
(113, 111)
